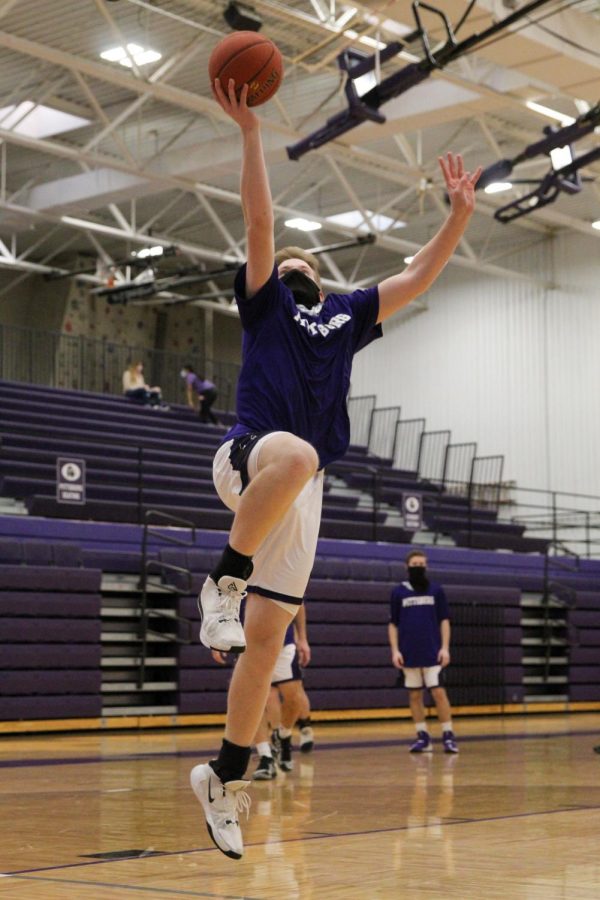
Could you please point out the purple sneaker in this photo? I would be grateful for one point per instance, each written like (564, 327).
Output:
(449, 742)
(422, 744)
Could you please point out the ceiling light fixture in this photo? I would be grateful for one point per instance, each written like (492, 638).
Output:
(140, 56)
(496, 187)
(150, 251)
(596, 224)
(302, 224)
(549, 113)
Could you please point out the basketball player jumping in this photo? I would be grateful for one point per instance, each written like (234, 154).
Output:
(292, 421)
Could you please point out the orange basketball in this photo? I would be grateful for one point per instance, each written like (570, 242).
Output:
(248, 58)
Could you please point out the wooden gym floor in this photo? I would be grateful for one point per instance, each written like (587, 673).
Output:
(108, 816)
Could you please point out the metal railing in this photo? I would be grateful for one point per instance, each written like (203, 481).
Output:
(475, 508)
(360, 412)
(147, 565)
(77, 362)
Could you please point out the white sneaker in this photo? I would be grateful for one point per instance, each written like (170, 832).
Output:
(219, 607)
(307, 739)
(221, 803)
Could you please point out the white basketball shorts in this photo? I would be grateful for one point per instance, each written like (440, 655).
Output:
(283, 564)
(428, 677)
(286, 667)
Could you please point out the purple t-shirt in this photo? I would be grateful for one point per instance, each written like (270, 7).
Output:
(197, 383)
(296, 363)
(417, 616)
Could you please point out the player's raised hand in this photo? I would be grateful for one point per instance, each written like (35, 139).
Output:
(460, 185)
(238, 109)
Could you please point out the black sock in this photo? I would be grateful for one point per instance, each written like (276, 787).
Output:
(234, 564)
(232, 762)
(303, 723)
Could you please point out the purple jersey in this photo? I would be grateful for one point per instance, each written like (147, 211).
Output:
(296, 363)
(417, 616)
(198, 384)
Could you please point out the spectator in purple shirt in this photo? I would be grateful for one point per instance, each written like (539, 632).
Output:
(201, 394)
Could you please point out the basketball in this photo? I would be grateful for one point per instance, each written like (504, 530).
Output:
(248, 58)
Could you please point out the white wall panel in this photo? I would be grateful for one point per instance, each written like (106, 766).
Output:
(509, 364)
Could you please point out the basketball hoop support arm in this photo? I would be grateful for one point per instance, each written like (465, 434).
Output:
(366, 108)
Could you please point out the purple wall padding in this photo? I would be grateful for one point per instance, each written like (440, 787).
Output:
(585, 618)
(76, 631)
(63, 707)
(584, 674)
(581, 656)
(11, 552)
(585, 692)
(51, 656)
(202, 702)
(29, 603)
(49, 578)
(84, 681)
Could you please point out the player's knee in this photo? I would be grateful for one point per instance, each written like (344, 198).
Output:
(301, 462)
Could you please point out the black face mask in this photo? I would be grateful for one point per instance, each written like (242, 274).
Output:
(304, 289)
(417, 575)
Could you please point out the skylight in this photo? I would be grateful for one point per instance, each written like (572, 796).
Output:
(303, 224)
(38, 121)
(355, 219)
(140, 56)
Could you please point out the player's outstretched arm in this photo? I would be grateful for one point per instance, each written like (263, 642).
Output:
(255, 191)
(397, 291)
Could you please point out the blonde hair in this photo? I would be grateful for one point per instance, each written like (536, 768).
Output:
(133, 366)
(299, 253)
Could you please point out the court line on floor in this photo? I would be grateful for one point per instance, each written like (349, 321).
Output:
(127, 887)
(336, 745)
(308, 836)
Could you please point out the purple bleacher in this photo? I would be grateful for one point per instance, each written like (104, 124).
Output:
(584, 674)
(33, 578)
(67, 630)
(50, 656)
(348, 594)
(580, 656)
(11, 552)
(452, 524)
(67, 706)
(50, 630)
(67, 554)
(581, 692)
(189, 702)
(37, 553)
(490, 540)
(83, 681)
(29, 603)
(115, 511)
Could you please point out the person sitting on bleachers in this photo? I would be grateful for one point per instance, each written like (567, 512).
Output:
(136, 389)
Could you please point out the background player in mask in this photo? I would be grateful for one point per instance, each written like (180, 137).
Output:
(419, 636)
(292, 421)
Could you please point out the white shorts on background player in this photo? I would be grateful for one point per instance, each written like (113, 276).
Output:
(285, 670)
(283, 564)
(429, 677)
